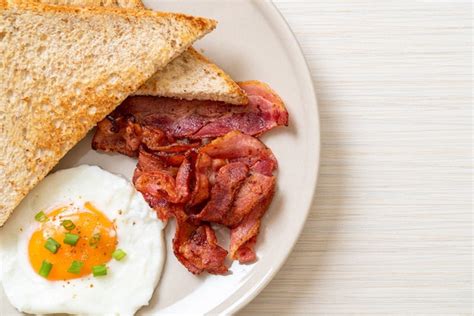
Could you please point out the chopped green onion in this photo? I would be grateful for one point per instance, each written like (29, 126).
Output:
(94, 241)
(75, 267)
(71, 239)
(45, 268)
(119, 254)
(68, 224)
(99, 270)
(41, 217)
(52, 245)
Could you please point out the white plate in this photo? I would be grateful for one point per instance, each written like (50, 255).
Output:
(252, 41)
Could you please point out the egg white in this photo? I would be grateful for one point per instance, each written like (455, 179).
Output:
(129, 283)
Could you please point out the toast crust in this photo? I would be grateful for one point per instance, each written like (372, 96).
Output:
(198, 23)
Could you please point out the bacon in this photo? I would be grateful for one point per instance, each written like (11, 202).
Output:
(155, 121)
(162, 207)
(267, 101)
(199, 162)
(228, 182)
(149, 162)
(246, 253)
(183, 179)
(152, 178)
(115, 135)
(264, 166)
(239, 147)
(177, 148)
(196, 247)
(157, 184)
(243, 236)
(202, 173)
(236, 145)
(152, 138)
(255, 191)
(264, 112)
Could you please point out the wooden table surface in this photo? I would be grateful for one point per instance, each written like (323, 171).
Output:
(390, 230)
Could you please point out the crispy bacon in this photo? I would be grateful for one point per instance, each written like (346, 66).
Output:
(246, 253)
(198, 161)
(117, 135)
(152, 138)
(243, 236)
(202, 173)
(265, 111)
(236, 146)
(228, 182)
(255, 191)
(153, 178)
(158, 184)
(155, 121)
(196, 247)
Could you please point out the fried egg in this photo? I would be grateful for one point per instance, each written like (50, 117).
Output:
(82, 242)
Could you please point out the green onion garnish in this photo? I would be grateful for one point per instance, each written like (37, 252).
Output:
(68, 224)
(41, 217)
(119, 254)
(94, 241)
(52, 245)
(99, 270)
(75, 267)
(45, 268)
(71, 239)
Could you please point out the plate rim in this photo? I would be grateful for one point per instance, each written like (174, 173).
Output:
(270, 10)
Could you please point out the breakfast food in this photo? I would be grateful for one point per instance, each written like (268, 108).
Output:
(156, 122)
(85, 241)
(82, 242)
(66, 71)
(182, 174)
(189, 76)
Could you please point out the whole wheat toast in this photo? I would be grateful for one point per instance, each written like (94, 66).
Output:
(190, 76)
(64, 69)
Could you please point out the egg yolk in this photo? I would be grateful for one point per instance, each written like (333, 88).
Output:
(96, 243)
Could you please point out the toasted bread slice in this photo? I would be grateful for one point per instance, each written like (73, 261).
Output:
(63, 69)
(190, 76)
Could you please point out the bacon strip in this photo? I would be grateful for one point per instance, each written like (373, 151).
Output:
(243, 236)
(161, 183)
(202, 173)
(256, 189)
(228, 182)
(238, 147)
(265, 111)
(196, 247)
(155, 121)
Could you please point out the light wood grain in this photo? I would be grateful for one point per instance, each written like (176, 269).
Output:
(390, 231)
